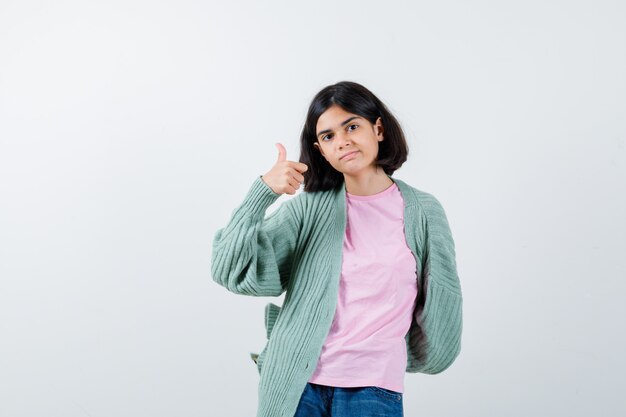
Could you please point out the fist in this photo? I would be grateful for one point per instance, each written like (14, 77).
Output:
(285, 177)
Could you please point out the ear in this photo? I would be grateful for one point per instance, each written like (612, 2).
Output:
(380, 129)
(317, 146)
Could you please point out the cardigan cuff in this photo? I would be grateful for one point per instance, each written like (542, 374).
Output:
(259, 197)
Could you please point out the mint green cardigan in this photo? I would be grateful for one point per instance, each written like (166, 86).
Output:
(297, 249)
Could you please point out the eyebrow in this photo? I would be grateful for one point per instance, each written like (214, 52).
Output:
(345, 122)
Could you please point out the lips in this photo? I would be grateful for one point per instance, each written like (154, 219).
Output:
(348, 154)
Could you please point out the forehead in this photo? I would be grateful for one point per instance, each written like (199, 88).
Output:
(333, 117)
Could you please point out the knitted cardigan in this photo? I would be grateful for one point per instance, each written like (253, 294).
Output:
(297, 249)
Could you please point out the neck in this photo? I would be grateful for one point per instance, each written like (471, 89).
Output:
(367, 184)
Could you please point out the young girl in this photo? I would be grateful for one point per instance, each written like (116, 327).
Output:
(366, 261)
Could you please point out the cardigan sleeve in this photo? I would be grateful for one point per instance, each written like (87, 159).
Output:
(252, 254)
(441, 318)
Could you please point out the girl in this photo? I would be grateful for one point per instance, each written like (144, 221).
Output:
(366, 261)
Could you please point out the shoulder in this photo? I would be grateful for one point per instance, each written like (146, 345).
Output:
(314, 201)
(416, 195)
(426, 202)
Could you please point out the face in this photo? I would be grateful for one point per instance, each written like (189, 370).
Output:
(348, 141)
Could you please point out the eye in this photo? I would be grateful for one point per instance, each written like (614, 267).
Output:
(355, 126)
(325, 136)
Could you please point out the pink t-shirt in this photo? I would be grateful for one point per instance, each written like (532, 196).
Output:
(377, 295)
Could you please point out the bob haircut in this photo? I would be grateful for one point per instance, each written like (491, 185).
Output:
(357, 99)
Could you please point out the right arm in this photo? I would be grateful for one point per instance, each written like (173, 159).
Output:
(252, 255)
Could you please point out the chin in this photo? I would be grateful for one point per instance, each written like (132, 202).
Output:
(351, 172)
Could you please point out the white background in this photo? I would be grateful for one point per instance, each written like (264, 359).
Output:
(130, 130)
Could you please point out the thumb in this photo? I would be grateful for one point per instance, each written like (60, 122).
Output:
(282, 152)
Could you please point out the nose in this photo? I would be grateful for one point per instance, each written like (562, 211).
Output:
(343, 140)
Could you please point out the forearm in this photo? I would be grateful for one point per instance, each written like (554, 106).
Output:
(247, 253)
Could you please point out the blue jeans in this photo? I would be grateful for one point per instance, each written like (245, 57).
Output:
(324, 401)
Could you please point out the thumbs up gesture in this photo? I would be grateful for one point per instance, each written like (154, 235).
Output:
(285, 177)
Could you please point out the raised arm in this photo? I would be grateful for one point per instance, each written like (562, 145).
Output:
(252, 255)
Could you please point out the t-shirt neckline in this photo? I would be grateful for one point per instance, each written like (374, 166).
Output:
(376, 196)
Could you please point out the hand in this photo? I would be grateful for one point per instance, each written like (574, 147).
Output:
(285, 177)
